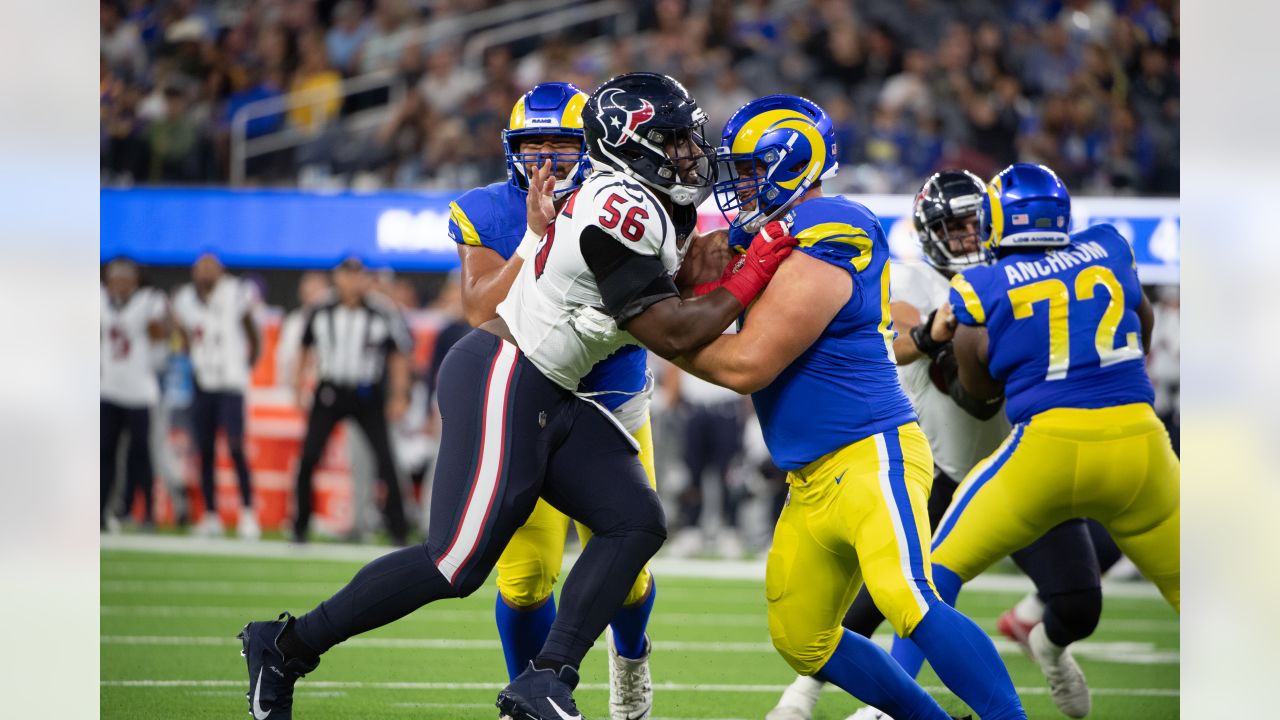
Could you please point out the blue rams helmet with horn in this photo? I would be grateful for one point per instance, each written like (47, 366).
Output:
(773, 150)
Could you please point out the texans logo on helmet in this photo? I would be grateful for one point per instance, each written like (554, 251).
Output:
(618, 120)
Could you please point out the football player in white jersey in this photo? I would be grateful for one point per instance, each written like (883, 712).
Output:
(132, 319)
(215, 313)
(516, 428)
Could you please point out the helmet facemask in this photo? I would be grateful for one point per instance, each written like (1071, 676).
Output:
(569, 168)
(750, 192)
(953, 242)
(686, 172)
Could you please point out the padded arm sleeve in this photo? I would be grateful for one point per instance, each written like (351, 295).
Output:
(629, 283)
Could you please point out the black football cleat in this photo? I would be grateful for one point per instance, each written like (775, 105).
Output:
(271, 676)
(540, 695)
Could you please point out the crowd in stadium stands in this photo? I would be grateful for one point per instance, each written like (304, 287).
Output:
(1088, 87)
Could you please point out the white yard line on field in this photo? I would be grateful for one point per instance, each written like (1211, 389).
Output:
(668, 567)
(1129, 653)
(1133, 625)
(665, 687)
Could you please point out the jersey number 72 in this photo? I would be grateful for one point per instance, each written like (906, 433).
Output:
(1054, 291)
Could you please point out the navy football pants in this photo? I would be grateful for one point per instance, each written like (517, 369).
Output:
(210, 411)
(510, 436)
(114, 420)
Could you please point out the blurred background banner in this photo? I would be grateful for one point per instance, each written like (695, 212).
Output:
(408, 231)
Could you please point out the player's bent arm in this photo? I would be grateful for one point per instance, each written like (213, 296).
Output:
(641, 297)
(674, 326)
(795, 308)
(905, 316)
(251, 334)
(705, 262)
(970, 345)
(306, 356)
(486, 279)
(1147, 317)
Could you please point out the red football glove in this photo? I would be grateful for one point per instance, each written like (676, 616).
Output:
(768, 250)
(773, 231)
(734, 265)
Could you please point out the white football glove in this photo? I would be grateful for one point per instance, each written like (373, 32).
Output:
(594, 325)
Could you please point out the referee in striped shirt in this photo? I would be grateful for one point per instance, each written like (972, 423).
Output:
(360, 348)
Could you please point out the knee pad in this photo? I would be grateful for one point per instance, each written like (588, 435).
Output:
(1072, 616)
(527, 582)
(805, 655)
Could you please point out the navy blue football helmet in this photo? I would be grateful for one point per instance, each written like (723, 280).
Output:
(647, 126)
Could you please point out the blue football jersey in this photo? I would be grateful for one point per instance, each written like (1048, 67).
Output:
(495, 216)
(844, 387)
(1062, 324)
(492, 216)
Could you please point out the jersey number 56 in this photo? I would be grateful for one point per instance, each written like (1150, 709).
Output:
(632, 223)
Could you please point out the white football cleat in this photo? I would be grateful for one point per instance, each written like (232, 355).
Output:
(686, 543)
(1067, 686)
(868, 713)
(247, 527)
(798, 700)
(630, 687)
(729, 544)
(210, 526)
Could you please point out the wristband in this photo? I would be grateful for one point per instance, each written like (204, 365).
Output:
(705, 288)
(528, 244)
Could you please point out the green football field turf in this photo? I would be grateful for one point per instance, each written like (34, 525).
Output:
(168, 649)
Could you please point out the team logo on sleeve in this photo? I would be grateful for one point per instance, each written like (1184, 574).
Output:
(620, 121)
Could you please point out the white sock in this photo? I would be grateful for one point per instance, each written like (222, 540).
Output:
(1029, 609)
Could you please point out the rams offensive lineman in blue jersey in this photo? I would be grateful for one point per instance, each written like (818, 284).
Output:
(545, 137)
(815, 352)
(1059, 324)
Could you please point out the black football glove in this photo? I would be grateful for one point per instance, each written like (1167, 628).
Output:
(945, 373)
(923, 338)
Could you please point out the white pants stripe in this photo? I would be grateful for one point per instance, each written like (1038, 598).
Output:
(484, 486)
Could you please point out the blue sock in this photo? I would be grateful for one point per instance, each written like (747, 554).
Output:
(865, 671)
(629, 624)
(907, 653)
(523, 632)
(964, 657)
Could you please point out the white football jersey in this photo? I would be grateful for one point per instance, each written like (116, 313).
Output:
(556, 285)
(128, 373)
(215, 330)
(958, 440)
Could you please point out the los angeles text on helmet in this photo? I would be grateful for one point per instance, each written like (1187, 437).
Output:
(1054, 261)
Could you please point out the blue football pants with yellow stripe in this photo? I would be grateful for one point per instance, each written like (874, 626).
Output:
(859, 514)
(530, 565)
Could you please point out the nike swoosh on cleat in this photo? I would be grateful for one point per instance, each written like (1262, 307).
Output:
(257, 692)
(561, 713)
